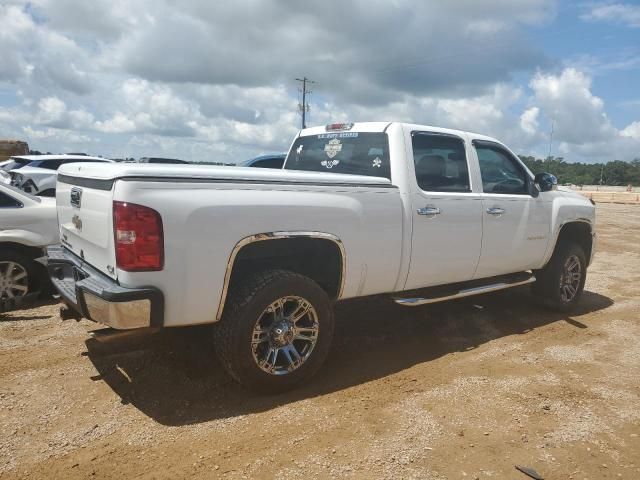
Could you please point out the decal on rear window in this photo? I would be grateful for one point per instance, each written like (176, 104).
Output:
(355, 153)
(332, 148)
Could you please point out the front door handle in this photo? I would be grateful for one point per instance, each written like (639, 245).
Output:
(429, 210)
(497, 211)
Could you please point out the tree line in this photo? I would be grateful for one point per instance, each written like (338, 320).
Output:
(615, 172)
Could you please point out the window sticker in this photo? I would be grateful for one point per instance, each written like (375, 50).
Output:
(329, 163)
(377, 162)
(332, 148)
(339, 135)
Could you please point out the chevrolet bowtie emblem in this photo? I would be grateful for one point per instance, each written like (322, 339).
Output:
(77, 222)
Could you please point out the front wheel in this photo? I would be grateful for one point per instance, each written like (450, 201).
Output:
(275, 332)
(17, 275)
(561, 282)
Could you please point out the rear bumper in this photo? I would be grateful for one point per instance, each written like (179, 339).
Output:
(98, 297)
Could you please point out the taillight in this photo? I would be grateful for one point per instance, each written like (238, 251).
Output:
(139, 238)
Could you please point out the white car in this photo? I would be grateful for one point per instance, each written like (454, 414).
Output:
(27, 225)
(423, 214)
(36, 174)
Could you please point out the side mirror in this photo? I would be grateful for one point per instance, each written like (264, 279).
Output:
(546, 182)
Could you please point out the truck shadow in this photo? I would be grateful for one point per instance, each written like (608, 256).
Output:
(174, 377)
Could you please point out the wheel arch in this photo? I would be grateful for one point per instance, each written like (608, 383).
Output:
(26, 249)
(579, 231)
(298, 251)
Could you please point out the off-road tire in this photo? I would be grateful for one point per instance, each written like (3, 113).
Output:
(549, 278)
(233, 333)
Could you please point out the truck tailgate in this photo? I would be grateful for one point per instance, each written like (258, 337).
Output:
(86, 223)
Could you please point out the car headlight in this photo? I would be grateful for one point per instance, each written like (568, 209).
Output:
(16, 179)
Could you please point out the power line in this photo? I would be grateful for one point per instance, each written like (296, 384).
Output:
(304, 106)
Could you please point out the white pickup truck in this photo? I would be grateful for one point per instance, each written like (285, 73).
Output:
(424, 214)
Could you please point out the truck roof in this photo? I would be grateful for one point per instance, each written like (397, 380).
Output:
(382, 126)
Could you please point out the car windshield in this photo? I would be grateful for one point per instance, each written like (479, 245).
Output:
(357, 153)
(16, 163)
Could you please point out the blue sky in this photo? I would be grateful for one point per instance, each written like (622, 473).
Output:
(612, 46)
(215, 81)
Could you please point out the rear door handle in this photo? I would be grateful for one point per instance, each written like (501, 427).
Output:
(495, 211)
(429, 210)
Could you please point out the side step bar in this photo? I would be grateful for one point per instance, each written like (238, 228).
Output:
(466, 292)
(106, 335)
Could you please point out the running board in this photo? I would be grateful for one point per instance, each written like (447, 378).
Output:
(466, 292)
(106, 335)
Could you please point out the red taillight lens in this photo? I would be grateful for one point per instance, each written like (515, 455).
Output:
(139, 239)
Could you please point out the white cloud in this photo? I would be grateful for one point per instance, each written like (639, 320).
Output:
(578, 115)
(624, 13)
(203, 81)
(582, 129)
(51, 111)
(529, 120)
(64, 136)
(632, 130)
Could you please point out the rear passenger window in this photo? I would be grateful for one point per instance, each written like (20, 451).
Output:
(440, 162)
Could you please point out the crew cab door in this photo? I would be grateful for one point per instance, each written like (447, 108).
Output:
(516, 225)
(446, 213)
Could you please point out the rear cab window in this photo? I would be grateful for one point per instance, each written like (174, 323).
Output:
(440, 162)
(355, 153)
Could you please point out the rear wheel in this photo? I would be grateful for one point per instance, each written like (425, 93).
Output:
(275, 332)
(561, 282)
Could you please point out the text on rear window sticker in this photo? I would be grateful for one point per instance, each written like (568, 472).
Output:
(339, 135)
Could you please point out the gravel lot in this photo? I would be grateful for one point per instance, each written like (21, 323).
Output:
(466, 389)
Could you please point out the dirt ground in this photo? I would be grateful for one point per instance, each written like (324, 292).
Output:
(461, 390)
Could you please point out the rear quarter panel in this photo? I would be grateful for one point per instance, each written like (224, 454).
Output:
(203, 222)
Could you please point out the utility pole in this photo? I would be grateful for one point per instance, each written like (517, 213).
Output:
(304, 107)
(553, 122)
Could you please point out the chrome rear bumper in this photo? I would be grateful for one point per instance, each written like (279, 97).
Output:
(98, 297)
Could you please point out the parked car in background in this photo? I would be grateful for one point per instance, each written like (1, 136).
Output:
(5, 177)
(27, 225)
(424, 214)
(265, 161)
(161, 160)
(36, 174)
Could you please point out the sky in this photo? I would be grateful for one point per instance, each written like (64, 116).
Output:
(215, 81)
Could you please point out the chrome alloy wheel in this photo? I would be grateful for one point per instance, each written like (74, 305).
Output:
(14, 281)
(570, 278)
(284, 335)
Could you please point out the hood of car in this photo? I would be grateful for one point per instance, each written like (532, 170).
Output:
(36, 174)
